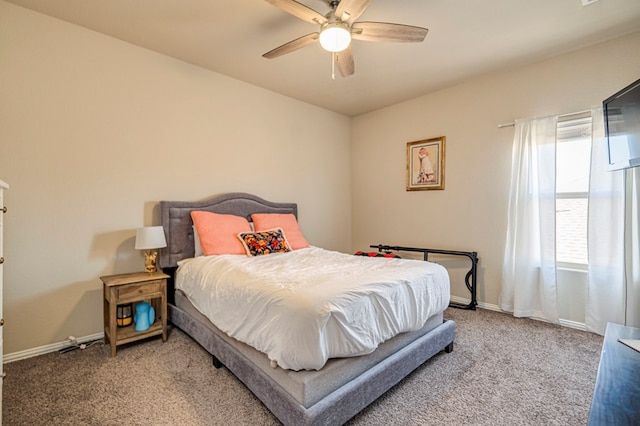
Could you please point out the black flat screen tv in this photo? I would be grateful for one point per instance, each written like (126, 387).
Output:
(622, 127)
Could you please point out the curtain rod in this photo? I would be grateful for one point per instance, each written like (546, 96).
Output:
(501, 126)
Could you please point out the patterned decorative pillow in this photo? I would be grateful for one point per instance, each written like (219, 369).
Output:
(264, 242)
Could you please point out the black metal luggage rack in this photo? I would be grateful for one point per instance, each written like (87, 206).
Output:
(470, 279)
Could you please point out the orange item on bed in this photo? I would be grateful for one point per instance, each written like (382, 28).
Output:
(218, 233)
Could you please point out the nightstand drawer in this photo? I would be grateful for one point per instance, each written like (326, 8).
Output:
(139, 290)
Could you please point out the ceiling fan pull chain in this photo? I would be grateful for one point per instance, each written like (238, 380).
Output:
(333, 66)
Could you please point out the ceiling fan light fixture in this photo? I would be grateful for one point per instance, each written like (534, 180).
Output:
(335, 36)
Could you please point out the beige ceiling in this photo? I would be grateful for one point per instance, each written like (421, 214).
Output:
(466, 38)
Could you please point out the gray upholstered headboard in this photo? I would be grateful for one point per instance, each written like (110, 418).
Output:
(178, 226)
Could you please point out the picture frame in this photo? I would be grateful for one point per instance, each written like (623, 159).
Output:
(425, 164)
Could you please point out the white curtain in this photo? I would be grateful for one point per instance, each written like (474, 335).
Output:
(614, 239)
(529, 271)
(632, 247)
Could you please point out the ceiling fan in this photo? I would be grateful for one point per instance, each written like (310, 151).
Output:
(338, 27)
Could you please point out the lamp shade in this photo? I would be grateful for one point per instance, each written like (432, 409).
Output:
(335, 37)
(150, 237)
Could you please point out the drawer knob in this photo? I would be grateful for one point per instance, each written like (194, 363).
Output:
(1, 260)
(4, 209)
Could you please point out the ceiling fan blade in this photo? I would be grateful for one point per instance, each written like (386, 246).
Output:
(350, 10)
(344, 62)
(299, 10)
(296, 44)
(384, 31)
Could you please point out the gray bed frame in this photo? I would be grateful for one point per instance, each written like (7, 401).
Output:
(330, 396)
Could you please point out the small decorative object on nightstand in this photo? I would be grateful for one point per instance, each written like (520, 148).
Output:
(125, 289)
(150, 238)
(145, 316)
(124, 315)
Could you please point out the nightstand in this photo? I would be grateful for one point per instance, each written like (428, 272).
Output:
(130, 288)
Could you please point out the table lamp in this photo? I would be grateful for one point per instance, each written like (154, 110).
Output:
(150, 238)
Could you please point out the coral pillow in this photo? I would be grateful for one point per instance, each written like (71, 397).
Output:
(288, 223)
(218, 233)
(264, 242)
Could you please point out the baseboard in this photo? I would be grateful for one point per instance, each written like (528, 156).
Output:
(573, 324)
(41, 350)
(563, 322)
(483, 305)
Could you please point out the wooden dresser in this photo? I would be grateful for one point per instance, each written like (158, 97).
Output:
(3, 209)
(616, 399)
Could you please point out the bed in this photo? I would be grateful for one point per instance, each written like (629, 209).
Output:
(329, 395)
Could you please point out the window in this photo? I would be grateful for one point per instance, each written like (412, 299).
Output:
(573, 161)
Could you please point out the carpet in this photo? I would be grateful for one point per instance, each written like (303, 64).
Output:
(502, 371)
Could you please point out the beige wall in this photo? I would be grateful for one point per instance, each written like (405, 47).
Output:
(95, 131)
(471, 213)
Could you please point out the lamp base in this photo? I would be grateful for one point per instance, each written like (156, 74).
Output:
(150, 258)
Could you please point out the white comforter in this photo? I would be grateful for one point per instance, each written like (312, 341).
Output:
(306, 306)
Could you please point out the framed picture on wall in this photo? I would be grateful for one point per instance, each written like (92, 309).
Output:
(425, 164)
